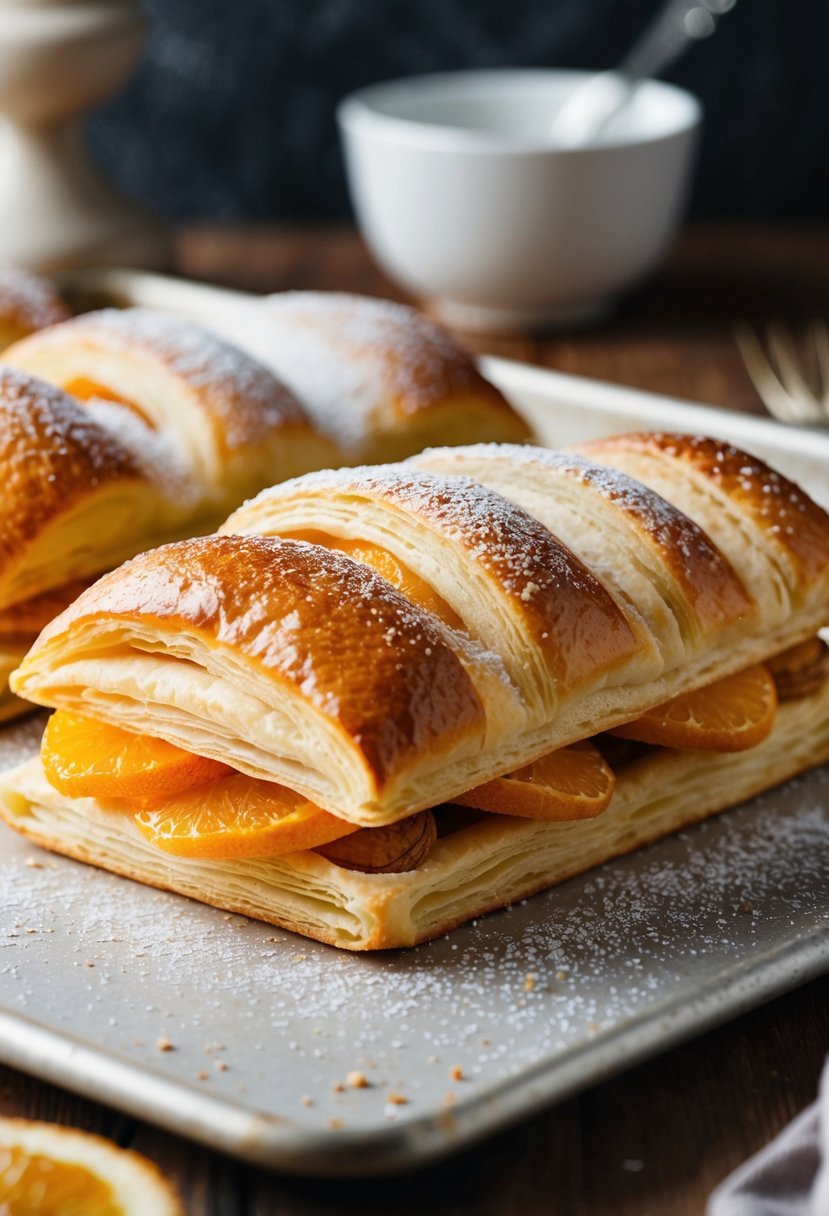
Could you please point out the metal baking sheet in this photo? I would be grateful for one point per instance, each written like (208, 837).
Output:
(248, 1038)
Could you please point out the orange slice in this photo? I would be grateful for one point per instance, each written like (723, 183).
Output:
(571, 783)
(240, 816)
(731, 715)
(392, 570)
(83, 757)
(56, 1171)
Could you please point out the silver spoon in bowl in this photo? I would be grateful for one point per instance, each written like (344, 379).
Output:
(588, 112)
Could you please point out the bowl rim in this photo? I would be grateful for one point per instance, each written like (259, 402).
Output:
(358, 112)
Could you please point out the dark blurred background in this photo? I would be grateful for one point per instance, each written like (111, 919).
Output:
(231, 113)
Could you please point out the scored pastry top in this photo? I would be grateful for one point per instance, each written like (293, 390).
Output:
(581, 500)
(505, 576)
(204, 425)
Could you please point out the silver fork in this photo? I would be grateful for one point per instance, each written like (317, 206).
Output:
(791, 377)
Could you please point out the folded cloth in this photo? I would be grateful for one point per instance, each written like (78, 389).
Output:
(789, 1177)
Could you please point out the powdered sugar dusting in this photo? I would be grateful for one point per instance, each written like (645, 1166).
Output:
(559, 603)
(418, 359)
(496, 533)
(350, 358)
(155, 451)
(676, 932)
(36, 414)
(701, 568)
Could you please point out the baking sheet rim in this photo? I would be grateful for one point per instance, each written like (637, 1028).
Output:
(278, 1143)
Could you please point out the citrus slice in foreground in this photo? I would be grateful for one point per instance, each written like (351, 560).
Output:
(85, 758)
(48, 1170)
(570, 783)
(239, 816)
(732, 715)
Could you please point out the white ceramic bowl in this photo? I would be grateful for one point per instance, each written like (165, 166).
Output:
(464, 201)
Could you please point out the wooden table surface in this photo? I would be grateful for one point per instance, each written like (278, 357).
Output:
(654, 1141)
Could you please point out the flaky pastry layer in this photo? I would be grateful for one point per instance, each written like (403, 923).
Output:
(476, 869)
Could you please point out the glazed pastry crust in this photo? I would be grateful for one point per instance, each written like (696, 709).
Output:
(174, 427)
(476, 869)
(515, 587)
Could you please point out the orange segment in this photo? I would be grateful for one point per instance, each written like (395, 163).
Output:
(83, 757)
(392, 570)
(30, 1184)
(731, 715)
(240, 816)
(571, 783)
(85, 389)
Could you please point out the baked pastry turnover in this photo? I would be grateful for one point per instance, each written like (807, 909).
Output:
(385, 700)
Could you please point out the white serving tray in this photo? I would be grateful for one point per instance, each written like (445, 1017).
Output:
(532, 1003)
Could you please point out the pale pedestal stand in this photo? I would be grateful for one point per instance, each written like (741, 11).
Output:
(58, 59)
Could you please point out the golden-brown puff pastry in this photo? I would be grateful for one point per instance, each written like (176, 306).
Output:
(295, 663)
(381, 379)
(27, 303)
